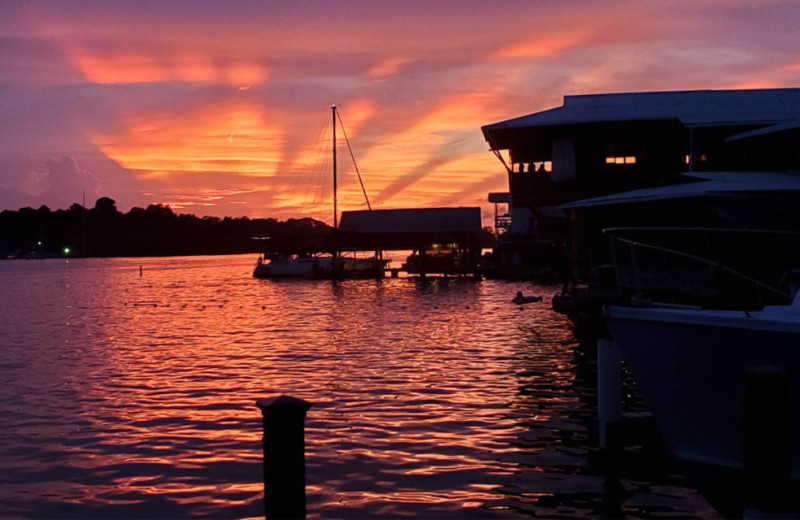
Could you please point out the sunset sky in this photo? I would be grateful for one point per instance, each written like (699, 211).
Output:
(218, 108)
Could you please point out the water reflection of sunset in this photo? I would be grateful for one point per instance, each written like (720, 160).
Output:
(135, 395)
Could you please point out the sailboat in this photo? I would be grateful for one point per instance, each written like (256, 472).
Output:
(322, 266)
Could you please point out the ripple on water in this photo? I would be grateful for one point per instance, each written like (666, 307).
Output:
(127, 396)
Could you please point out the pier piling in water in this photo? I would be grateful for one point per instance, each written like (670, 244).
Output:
(284, 456)
(609, 387)
(766, 441)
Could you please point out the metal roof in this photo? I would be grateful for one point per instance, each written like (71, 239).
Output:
(692, 108)
(712, 183)
(500, 198)
(780, 127)
(424, 220)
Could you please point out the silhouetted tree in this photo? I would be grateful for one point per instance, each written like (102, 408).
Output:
(151, 231)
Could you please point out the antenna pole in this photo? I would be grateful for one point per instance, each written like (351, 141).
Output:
(335, 211)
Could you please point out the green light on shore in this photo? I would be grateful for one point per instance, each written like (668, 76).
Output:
(66, 250)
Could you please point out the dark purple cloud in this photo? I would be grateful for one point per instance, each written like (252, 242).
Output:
(82, 79)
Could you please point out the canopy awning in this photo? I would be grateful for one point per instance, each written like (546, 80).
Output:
(709, 184)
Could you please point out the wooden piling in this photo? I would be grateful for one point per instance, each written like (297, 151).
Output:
(284, 456)
(609, 387)
(766, 441)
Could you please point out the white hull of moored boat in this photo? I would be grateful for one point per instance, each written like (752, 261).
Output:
(688, 365)
(304, 267)
(321, 267)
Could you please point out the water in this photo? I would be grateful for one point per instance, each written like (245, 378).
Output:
(132, 396)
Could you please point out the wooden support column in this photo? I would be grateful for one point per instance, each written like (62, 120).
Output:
(284, 456)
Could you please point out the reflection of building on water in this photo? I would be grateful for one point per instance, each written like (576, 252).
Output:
(598, 145)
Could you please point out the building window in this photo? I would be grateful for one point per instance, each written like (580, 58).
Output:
(537, 167)
(627, 159)
(541, 167)
(698, 157)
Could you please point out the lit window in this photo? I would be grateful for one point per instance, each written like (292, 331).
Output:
(700, 158)
(628, 159)
(541, 167)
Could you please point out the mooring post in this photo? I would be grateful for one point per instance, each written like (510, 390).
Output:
(609, 387)
(284, 456)
(609, 414)
(766, 442)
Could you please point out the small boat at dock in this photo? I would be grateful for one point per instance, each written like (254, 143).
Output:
(320, 267)
(293, 266)
(317, 266)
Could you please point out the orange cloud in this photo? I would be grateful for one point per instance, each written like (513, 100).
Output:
(756, 84)
(452, 179)
(544, 44)
(139, 66)
(193, 67)
(229, 138)
(386, 68)
(245, 74)
(119, 67)
(355, 113)
(402, 162)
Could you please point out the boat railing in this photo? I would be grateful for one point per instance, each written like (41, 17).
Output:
(692, 265)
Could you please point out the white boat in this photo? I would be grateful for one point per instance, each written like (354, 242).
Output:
(689, 366)
(319, 267)
(323, 266)
(701, 314)
(293, 266)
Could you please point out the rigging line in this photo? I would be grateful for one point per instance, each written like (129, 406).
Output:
(349, 149)
(314, 149)
(303, 171)
(320, 166)
(315, 167)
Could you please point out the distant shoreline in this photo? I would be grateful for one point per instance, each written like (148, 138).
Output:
(80, 257)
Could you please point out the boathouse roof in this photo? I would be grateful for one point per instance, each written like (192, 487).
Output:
(425, 220)
(705, 184)
(691, 108)
(408, 228)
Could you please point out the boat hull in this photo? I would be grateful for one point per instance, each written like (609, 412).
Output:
(304, 267)
(688, 365)
(321, 268)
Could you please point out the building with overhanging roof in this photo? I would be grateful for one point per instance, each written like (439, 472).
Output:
(602, 144)
(400, 229)
(445, 241)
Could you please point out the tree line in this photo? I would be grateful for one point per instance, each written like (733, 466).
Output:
(152, 231)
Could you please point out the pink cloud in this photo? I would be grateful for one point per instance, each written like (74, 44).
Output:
(211, 103)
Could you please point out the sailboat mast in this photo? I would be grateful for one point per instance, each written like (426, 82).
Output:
(335, 211)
